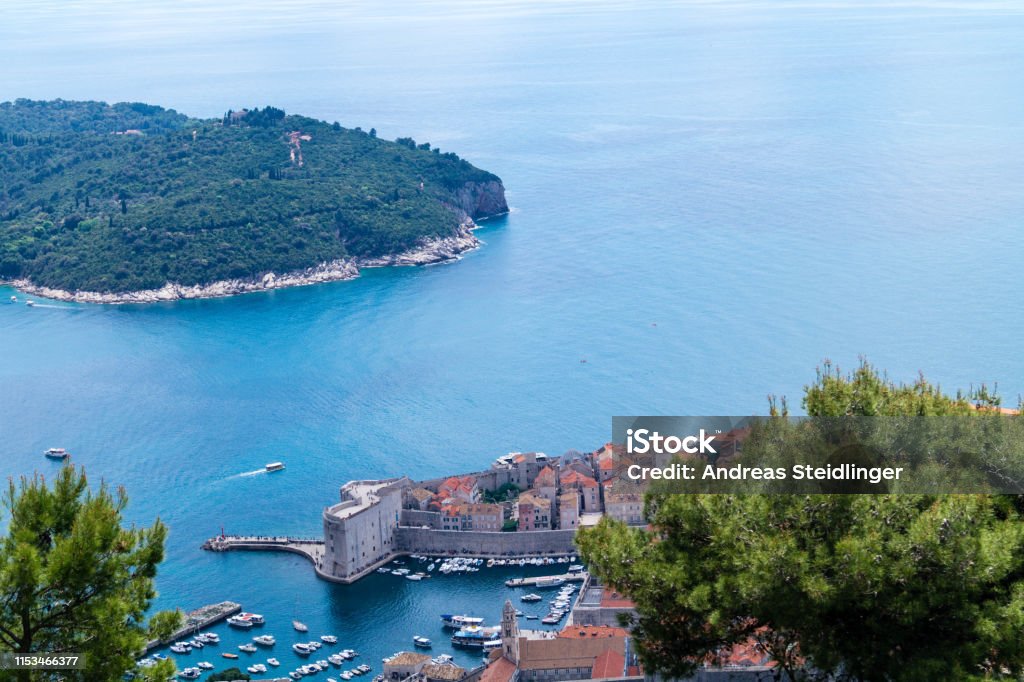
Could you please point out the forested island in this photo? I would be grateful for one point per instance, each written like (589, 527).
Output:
(134, 202)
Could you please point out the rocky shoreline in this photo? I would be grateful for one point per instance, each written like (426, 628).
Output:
(436, 250)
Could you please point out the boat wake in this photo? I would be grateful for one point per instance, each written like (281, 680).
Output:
(54, 307)
(257, 472)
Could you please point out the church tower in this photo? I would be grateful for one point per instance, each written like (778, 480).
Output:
(510, 632)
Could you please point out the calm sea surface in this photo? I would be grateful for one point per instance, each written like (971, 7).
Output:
(709, 199)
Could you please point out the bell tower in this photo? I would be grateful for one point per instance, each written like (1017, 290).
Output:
(510, 633)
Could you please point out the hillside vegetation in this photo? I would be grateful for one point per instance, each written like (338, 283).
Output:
(111, 198)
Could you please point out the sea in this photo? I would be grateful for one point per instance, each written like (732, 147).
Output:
(709, 199)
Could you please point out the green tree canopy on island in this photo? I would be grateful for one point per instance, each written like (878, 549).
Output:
(831, 587)
(124, 197)
(73, 579)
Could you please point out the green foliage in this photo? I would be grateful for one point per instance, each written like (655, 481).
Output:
(126, 197)
(832, 587)
(505, 492)
(73, 580)
(228, 674)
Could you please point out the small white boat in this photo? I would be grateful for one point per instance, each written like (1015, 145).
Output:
(240, 622)
(247, 648)
(30, 303)
(302, 649)
(414, 576)
(254, 617)
(531, 597)
(275, 466)
(204, 665)
(422, 642)
(274, 662)
(300, 627)
(330, 639)
(265, 640)
(14, 299)
(431, 567)
(57, 453)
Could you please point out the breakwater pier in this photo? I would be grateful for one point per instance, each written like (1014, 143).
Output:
(578, 577)
(197, 620)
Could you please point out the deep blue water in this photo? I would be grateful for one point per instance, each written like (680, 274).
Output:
(708, 200)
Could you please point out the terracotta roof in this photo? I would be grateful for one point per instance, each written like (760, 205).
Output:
(421, 494)
(546, 478)
(443, 671)
(535, 500)
(573, 477)
(609, 664)
(500, 670)
(592, 631)
(565, 652)
(408, 658)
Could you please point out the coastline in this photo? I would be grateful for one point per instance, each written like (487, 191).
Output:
(436, 250)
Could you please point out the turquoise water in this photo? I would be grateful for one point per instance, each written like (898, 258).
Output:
(708, 199)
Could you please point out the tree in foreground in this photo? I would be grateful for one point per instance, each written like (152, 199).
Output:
(831, 587)
(74, 580)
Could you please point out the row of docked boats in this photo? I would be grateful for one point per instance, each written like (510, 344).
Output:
(560, 606)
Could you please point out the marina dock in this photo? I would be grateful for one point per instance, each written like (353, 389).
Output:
(197, 620)
(527, 582)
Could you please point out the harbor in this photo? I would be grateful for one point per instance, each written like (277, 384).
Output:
(199, 619)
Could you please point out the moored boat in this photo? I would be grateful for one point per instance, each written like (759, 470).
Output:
(57, 453)
(456, 622)
(300, 627)
(422, 642)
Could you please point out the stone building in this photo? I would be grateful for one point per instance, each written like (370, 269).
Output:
(359, 530)
(575, 653)
(569, 510)
(534, 512)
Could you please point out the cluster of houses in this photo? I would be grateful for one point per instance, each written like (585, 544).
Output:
(533, 492)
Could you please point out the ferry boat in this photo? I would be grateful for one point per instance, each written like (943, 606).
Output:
(545, 583)
(531, 597)
(57, 453)
(457, 622)
(300, 627)
(275, 466)
(492, 644)
(422, 642)
(473, 636)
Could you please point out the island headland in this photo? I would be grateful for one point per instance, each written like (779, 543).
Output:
(133, 203)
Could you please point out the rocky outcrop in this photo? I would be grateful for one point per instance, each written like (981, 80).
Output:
(431, 250)
(481, 199)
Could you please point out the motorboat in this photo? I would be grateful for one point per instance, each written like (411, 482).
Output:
(531, 597)
(422, 642)
(181, 647)
(330, 639)
(247, 648)
(336, 659)
(212, 637)
(204, 665)
(456, 622)
(301, 649)
(274, 662)
(228, 654)
(190, 673)
(196, 644)
(364, 668)
(275, 466)
(544, 583)
(265, 640)
(414, 576)
(57, 453)
(300, 627)
(239, 622)
(255, 618)
(257, 668)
